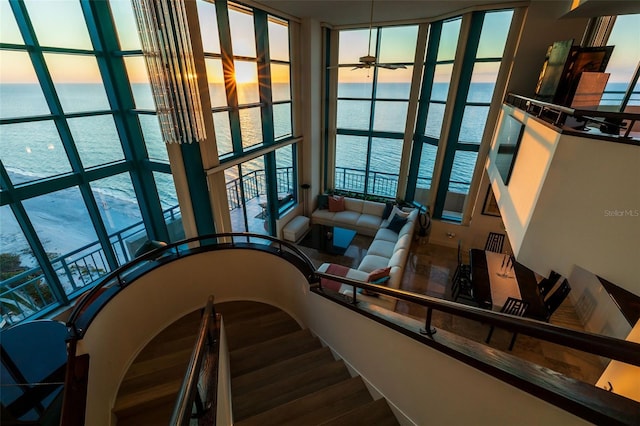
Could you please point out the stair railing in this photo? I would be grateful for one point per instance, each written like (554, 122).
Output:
(200, 383)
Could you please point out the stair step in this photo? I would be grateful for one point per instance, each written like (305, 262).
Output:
(166, 368)
(288, 388)
(256, 379)
(147, 399)
(374, 413)
(255, 357)
(240, 310)
(159, 415)
(152, 365)
(315, 408)
(251, 331)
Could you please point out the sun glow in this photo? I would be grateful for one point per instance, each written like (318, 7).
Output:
(246, 72)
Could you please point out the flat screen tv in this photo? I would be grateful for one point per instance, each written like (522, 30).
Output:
(507, 145)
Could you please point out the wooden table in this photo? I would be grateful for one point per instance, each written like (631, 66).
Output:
(520, 282)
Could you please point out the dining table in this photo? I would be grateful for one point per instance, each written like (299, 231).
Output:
(497, 276)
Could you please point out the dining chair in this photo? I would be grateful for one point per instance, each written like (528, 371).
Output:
(556, 298)
(546, 284)
(515, 307)
(461, 286)
(495, 242)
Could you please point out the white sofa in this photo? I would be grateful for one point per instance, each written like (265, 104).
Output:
(388, 249)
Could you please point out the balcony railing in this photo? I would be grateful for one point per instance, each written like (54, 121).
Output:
(254, 184)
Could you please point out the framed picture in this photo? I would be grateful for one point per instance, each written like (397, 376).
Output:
(490, 207)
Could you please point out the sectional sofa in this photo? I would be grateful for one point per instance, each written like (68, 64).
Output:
(390, 246)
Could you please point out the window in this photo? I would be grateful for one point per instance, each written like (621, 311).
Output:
(623, 63)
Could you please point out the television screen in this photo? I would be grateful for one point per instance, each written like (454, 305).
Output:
(508, 142)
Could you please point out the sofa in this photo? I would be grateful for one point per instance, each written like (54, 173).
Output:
(389, 249)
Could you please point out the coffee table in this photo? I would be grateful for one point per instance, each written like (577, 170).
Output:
(328, 239)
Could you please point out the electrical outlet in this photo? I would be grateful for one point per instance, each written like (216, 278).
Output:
(450, 235)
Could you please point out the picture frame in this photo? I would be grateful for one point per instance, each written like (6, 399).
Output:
(490, 206)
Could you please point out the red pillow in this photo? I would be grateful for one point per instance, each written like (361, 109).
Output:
(336, 203)
(379, 273)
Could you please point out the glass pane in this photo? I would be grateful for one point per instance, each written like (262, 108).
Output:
(390, 116)
(247, 82)
(473, 123)
(384, 167)
(280, 83)
(140, 85)
(32, 151)
(156, 148)
(52, 215)
(243, 39)
(282, 120)
(353, 114)
(483, 81)
(9, 31)
(449, 40)
(394, 84)
(169, 202)
(234, 199)
(462, 171)
(278, 39)
(624, 59)
(284, 175)
(250, 127)
(96, 139)
(434, 120)
(78, 82)
(351, 162)
(125, 20)
(208, 27)
(70, 32)
(215, 77)
(255, 195)
(398, 44)
(119, 209)
(223, 132)
(425, 171)
(354, 43)
(23, 289)
(441, 80)
(20, 92)
(355, 83)
(493, 37)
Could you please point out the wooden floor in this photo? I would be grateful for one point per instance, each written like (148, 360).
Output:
(429, 270)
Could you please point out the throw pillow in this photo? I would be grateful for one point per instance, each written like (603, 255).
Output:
(397, 223)
(381, 280)
(323, 201)
(336, 204)
(376, 274)
(388, 208)
(397, 212)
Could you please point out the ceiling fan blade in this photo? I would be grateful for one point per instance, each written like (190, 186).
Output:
(391, 66)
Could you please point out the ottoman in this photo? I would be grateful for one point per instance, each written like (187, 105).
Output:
(296, 228)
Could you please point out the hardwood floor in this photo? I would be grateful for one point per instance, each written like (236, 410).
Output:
(429, 270)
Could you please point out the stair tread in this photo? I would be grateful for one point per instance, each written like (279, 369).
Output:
(239, 310)
(316, 407)
(256, 330)
(159, 415)
(288, 388)
(266, 375)
(150, 366)
(152, 395)
(375, 412)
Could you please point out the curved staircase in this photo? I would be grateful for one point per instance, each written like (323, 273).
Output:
(280, 374)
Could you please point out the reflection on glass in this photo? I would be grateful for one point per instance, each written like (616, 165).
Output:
(280, 82)
(353, 114)
(434, 120)
(384, 167)
(441, 80)
(449, 40)
(278, 39)
(215, 78)
(282, 120)
(9, 31)
(208, 26)
(353, 45)
(24, 288)
(125, 21)
(242, 33)
(483, 81)
(351, 163)
(493, 37)
(223, 132)
(70, 32)
(425, 171)
(20, 93)
(77, 81)
(356, 83)
(250, 127)
(398, 44)
(169, 202)
(140, 85)
(473, 123)
(390, 116)
(284, 175)
(32, 151)
(96, 139)
(247, 82)
(156, 148)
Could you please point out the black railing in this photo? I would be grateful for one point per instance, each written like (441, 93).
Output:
(254, 184)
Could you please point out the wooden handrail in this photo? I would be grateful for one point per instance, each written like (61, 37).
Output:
(203, 363)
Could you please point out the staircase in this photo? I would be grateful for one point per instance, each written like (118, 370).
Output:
(280, 374)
